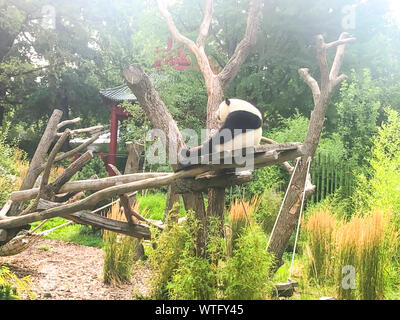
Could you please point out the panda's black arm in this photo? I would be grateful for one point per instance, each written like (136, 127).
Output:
(241, 120)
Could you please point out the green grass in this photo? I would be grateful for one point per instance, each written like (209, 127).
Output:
(153, 205)
(75, 233)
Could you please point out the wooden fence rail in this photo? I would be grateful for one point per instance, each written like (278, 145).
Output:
(328, 176)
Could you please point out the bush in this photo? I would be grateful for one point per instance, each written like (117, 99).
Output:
(119, 252)
(94, 166)
(180, 274)
(246, 276)
(267, 209)
(320, 226)
(12, 168)
(379, 187)
(12, 287)
(165, 259)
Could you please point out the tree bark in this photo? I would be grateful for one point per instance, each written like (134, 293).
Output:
(160, 118)
(34, 169)
(287, 221)
(216, 84)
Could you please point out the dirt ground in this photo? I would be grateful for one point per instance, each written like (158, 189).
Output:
(67, 271)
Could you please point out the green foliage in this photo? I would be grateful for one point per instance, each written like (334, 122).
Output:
(195, 277)
(358, 114)
(181, 274)
(379, 187)
(93, 167)
(165, 258)
(267, 209)
(8, 167)
(293, 129)
(12, 287)
(246, 274)
(119, 252)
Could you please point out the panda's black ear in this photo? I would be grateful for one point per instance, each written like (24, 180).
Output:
(227, 102)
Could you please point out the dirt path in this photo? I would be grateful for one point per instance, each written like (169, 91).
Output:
(70, 271)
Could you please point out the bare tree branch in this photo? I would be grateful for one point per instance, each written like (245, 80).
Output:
(244, 47)
(312, 83)
(84, 130)
(322, 94)
(323, 63)
(337, 62)
(201, 56)
(205, 25)
(67, 122)
(46, 174)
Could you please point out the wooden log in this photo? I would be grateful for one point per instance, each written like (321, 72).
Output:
(85, 130)
(156, 182)
(90, 201)
(90, 184)
(182, 186)
(73, 168)
(88, 218)
(73, 151)
(3, 235)
(261, 154)
(68, 122)
(124, 200)
(134, 152)
(5, 208)
(35, 167)
(98, 221)
(172, 199)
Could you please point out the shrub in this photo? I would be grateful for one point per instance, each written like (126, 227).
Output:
(240, 214)
(13, 168)
(170, 244)
(94, 166)
(178, 273)
(12, 287)
(267, 209)
(358, 113)
(246, 276)
(361, 243)
(119, 252)
(379, 188)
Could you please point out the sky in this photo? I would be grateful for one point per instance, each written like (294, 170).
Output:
(395, 7)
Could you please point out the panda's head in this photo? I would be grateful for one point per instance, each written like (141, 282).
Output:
(230, 105)
(223, 110)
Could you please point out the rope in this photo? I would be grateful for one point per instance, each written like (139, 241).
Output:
(283, 201)
(298, 223)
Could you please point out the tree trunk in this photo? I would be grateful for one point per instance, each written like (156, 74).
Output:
(216, 196)
(322, 94)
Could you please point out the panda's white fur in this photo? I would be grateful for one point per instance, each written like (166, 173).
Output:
(241, 127)
(251, 137)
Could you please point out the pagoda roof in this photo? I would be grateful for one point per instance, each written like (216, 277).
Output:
(118, 94)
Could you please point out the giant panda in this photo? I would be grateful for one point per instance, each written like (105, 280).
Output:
(243, 123)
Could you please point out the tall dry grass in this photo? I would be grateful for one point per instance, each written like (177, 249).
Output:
(320, 227)
(364, 243)
(240, 216)
(119, 250)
